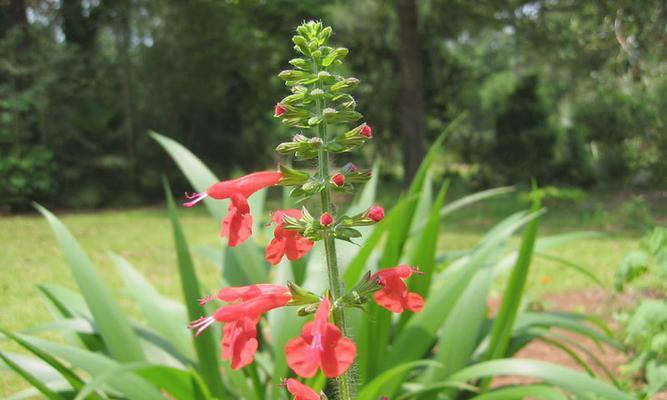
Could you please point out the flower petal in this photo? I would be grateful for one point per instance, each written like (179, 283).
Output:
(335, 361)
(300, 391)
(414, 302)
(275, 250)
(237, 225)
(245, 185)
(239, 342)
(388, 300)
(297, 246)
(301, 358)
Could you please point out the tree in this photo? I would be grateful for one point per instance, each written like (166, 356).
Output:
(412, 88)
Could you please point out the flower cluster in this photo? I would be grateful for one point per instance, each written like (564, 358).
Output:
(319, 101)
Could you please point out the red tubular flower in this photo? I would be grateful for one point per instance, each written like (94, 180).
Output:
(394, 295)
(376, 213)
(279, 110)
(243, 293)
(366, 131)
(300, 391)
(239, 341)
(321, 345)
(338, 179)
(326, 219)
(237, 225)
(286, 242)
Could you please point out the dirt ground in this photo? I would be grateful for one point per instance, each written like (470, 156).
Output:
(598, 302)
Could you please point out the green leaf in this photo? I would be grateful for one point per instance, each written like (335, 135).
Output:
(511, 300)
(36, 383)
(420, 332)
(165, 316)
(181, 384)
(64, 304)
(69, 375)
(283, 326)
(567, 321)
(110, 320)
(570, 264)
(466, 201)
(544, 332)
(574, 382)
(544, 392)
(94, 364)
(375, 388)
(376, 327)
(205, 344)
(244, 265)
(424, 251)
(197, 173)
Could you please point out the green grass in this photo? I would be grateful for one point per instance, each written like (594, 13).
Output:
(143, 236)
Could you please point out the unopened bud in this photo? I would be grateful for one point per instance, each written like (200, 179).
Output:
(338, 180)
(376, 213)
(326, 219)
(279, 110)
(366, 131)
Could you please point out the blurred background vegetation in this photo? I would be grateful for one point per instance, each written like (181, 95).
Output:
(570, 92)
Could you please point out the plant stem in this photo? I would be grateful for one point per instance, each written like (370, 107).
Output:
(345, 385)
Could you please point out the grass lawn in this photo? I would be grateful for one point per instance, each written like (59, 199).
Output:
(143, 236)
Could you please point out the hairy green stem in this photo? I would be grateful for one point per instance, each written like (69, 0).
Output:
(345, 383)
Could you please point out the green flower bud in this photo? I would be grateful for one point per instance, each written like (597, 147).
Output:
(345, 85)
(294, 75)
(334, 55)
(325, 34)
(300, 63)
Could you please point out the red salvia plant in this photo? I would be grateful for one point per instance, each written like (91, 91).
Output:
(321, 108)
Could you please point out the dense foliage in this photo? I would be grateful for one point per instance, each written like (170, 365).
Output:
(452, 347)
(578, 86)
(645, 324)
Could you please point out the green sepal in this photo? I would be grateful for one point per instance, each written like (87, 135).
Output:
(301, 296)
(292, 177)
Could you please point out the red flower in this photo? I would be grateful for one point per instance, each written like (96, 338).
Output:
(338, 179)
(239, 341)
(237, 225)
(243, 293)
(321, 345)
(394, 295)
(300, 391)
(279, 110)
(326, 219)
(366, 131)
(376, 213)
(286, 242)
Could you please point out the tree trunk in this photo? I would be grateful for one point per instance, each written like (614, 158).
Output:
(412, 89)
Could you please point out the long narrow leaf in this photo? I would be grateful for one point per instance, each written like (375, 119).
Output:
(374, 389)
(36, 383)
(205, 346)
(111, 321)
(165, 316)
(197, 173)
(575, 382)
(509, 308)
(69, 375)
(544, 392)
(130, 384)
